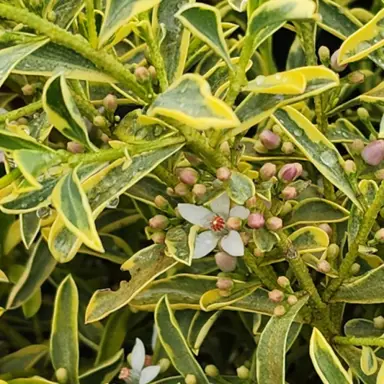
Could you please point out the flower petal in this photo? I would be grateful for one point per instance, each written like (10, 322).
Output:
(149, 373)
(240, 212)
(138, 355)
(195, 214)
(232, 244)
(205, 243)
(221, 205)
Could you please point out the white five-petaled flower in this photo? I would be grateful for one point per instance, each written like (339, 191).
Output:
(214, 222)
(139, 374)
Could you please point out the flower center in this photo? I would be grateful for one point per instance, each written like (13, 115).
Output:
(217, 224)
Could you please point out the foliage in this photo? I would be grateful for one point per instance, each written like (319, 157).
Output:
(196, 180)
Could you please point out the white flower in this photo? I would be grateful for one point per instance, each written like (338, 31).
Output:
(139, 374)
(214, 221)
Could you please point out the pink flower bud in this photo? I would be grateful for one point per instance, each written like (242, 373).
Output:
(269, 139)
(251, 202)
(100, 121)
(234, 223)
(171, 191)
(199, 190)
(326, 228)
(335, 62)
(350, 166)
(188, 176)
(158, 237)
(258, 253)
(225, 262)
(274, 223)
(223, 174)
(142, 74)
(125, 374)
(276, 296)
(290, 172)
(159, 222)
(357, 146)
(267, 171)
(324, 266)
(288, 148)
(161, 202)
(283, 282)
(181, 189)
(28, 90)
(292, 300)
(153, 73)
(256, 220)
(259, 147)
(75, 147)
(224, 283)
(289, 193)
(110, 103)
(373, 153)
(279, 311)
(379, 175)
(245, 237)
(379, 235)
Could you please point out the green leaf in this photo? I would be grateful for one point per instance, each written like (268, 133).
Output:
(45, 61)
(30, 380)
(201, 324)
(174, 45)
(271, 349)
(309, 239)
(65, 11)
(26, 358)
(205, 112)
(175, 344)
(213, 380)
(72, 205)
(364, 289)
(264, 239)
(213, 300)
(180, 243)
(317, 148)
(271, 16)
(118, 13)
(113, 335)
(325, 361)
(10, 142)
(102, 188)
(343, 131)
(64, 344)
(364, 41)
(62, 111)
(32, 305)
(11, 56)
(39, 127)
(352, 356)
(238, 5)
(29, 228)
(368, 361)
(104, 372)
(3, 277)
(257, 107)
(144, 267)
(315, 211)
(204, 21)
(39, 267)
(240, 188)
(362, 328)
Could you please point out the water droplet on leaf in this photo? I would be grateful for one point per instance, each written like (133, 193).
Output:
(113, 203)
(328, 158)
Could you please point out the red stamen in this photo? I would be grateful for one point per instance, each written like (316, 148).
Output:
(217, 224)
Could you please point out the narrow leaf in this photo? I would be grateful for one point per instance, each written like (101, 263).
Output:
(29, 228)
(368, 361)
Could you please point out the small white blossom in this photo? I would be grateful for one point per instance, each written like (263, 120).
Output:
(139, 374)
(214, 221)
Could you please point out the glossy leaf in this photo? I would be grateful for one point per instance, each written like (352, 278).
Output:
(309, 239)
(180, 243)
(362, 328)
(64, 345)
(240, 188)
(29, 228)
(39, 267)
(62, 111)
(316, 147)
(10, 142)
(118, 13)
(364, 289)
(205, 112)
(174, 342)
(368, 361)
(238, 5)
(364, 41)
(30, 380)
(204, 21)
(174, 45)
(65, 11)
(32, 305)
(325, 361)
(314, 211)
(73, 207)
(271, 349)
(265, 240)
(144, 266)
(3, 277)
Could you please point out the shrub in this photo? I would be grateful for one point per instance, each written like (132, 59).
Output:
(173, 184)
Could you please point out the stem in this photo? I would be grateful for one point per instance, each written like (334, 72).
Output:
(9, 178)
(238, 78)
(360, 341)
(24, 111)
(364, 231)
(95, 157)
(92, 32)
(101, 59)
